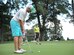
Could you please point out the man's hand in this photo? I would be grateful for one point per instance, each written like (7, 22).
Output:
(23, 31)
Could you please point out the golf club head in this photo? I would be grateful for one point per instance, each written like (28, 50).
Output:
(30, 51)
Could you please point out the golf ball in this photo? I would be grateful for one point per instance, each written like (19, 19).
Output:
(38, 51)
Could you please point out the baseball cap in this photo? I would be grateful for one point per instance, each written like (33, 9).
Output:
(33, 10)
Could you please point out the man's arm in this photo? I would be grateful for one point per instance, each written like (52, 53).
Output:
(22, 25)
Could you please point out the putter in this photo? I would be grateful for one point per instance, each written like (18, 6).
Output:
(29, 45)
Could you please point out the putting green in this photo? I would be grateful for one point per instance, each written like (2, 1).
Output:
(46, 48)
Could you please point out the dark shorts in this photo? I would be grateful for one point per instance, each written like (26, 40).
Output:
(37, 36)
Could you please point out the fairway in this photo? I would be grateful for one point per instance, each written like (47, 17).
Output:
(46, 48)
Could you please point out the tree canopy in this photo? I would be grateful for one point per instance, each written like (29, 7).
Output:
(46, 9)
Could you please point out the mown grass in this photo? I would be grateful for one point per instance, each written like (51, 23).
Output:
(46, 48)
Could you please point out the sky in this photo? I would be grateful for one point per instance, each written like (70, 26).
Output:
(68, 28)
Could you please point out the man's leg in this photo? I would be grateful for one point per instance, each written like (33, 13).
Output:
(16, 43)
(38, 38)
(20, 43)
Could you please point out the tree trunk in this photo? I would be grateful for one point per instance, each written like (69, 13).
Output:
(73, 7)
(38, 18)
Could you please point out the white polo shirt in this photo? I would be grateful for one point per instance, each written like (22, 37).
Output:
(20, 15)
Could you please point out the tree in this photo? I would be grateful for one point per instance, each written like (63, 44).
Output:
(6, 14)
(72, 20)
(4, 18)
(49, 9)
(73, 7)
(72, 15)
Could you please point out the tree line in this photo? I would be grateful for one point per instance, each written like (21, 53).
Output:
(47, 9)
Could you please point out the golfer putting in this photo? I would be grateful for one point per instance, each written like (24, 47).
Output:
(17, 26)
